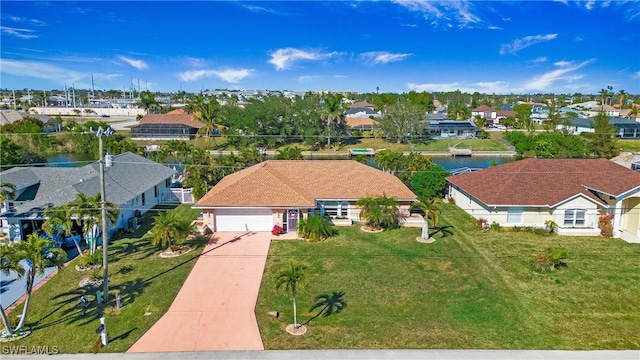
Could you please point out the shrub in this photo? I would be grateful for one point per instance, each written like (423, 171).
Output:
(605, 223)
(451, 200)
(548, 260)
(87, 259)
(551, 226)
(495, 226)
(482, 223)
(277, 230)
(315, 228)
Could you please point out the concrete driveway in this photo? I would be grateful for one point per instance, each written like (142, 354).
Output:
(214, 310)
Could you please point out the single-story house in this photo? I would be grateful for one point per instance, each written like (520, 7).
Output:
(444, 129)
(281, 192)
(571, 192)
(177, 125)
(362, 104)
(134, 183)
(361, 123)
(625, 128)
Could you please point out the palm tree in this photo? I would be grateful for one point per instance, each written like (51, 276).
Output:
(380, 212)
(209, 112)
(332, 113)
(169, 230)
(622, 95)
(428, 207)
(148, 102)
(291, 278)
(88, 210)
(329, 304)
(7, 192)
(9, 262)
(59, 218)
(38, 254)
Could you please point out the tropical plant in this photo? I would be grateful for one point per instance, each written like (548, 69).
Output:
(551, 226)
(207, 111)
(402, 121)
(380, 212)
(59, 220)
(39, 253)
(548, 260)
(430, 183)
(332, 114)
(148, 102)
(315, 227)
(169, 230)
(291, 278)
(428, 207)
(9, 262)
(88, 211)
(289, 153)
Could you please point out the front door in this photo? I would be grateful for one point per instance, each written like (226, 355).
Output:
(292, 219)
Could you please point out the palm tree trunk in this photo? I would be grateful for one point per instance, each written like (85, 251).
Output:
(5, 321)
(295, 316)
(425, 230)
(77, 245)
(30, 279)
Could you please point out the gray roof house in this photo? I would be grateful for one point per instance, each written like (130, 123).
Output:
(625, 128)
(135, 184)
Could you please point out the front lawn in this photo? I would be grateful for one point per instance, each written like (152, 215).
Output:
(472, 290)
(629, 145)
(147, 285)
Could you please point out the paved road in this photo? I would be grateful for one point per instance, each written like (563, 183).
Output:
(215, 308)
(350, 355)
(12, 288)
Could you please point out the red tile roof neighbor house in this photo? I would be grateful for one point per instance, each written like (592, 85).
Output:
(299, 183)
(179, 118)
(547, 182)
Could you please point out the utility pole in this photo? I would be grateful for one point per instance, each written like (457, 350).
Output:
(105, 232)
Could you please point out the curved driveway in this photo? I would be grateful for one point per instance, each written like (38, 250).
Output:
(214, 310)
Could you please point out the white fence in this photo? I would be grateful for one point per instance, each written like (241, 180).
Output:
(177, 195)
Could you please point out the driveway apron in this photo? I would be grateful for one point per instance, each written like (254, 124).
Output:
(214, 309)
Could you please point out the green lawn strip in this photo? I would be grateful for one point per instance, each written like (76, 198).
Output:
(400, 294)
(147, 284)
(590, 304)
(629, 145)
(431, 145)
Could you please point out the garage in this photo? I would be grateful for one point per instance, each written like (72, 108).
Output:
(243, 219)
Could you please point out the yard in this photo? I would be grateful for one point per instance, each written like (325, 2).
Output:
(629, 145)
(147, 285)
(472, 290)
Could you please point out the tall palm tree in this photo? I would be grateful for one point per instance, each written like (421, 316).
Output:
(209, 112)
(59, 218)
(169, 230)
(148, 102)
(38, 254)
(291, 278)
(622, 95)
(430, 210)
(9, 262)
(332, 113)
(88, 211)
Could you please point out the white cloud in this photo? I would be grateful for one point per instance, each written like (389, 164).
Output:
(255, 8)
(228, 75)
(492, 27)
(20, 33)
(138, 64)
(458, 11)
(589, 4)
(284, 58)
(636, 75)
(563, 73)
(519, 44)
(39, 70)
(498, 87)
(29, 21)
(307, 78)
(381, 57)
(539, 59)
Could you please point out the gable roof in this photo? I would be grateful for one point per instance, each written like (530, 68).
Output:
(546, 182)
(184, 119)
(361, 104)
(482, 108)
(299, 183)
(359, 121)
(129, 176)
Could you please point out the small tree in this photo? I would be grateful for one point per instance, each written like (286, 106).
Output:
(289, 153)
(380, 212)
(9, 262)
(315, 228)
(169, 230)
(291, 278)
(429, 210)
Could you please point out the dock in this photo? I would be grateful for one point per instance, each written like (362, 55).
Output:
(367, 152)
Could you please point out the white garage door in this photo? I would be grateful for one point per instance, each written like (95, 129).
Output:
(243, 220)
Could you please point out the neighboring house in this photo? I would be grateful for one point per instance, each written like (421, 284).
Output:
(11, 116)
(361, 123)
(361, 112)
(571, 192)
(362, 104)
(484, 112)
(625, 128)
(501, 114)
(282, 192)
(608, 109)
(177, 126)
(135, 184)
(445, 129)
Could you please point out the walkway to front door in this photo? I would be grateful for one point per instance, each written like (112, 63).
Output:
(214, 310)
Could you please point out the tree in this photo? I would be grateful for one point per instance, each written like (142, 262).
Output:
(289, 153)
(148, 102)
(169, 230)
(332, 114)
(11, 153)
(430, 183)
(88, 211)
(39, 254)
(291, 278)
(9, 262)
(208, 112)
(380, 212)
(622, 95)
(603, 140)
(428, 206)
(388, 160)
(59, 218)
(523, 116)
(458, 111)
(401, 121)
(422, 99)
(605, 94)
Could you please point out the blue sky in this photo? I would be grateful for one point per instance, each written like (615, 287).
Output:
(396, 46)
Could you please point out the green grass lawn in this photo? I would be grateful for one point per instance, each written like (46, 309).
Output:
(474, 289)
(629, 145)
(146, 283)
(431, 145)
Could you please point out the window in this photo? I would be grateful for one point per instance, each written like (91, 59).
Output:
(167, 182)
(143, 199)
(574, 217)
(155, 191)
(514, 215)
(331, 208)
(334, 208)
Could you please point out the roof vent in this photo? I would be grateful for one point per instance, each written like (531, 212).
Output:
(635, 166)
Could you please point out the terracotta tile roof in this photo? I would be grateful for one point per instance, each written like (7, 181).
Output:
(482, 108)
(361, 104)
(356, 121)
(505, 113)
(184, 119)
(176, 111)
(546, 181)
(282, 183)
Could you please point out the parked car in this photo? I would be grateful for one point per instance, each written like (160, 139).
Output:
(105, 115)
